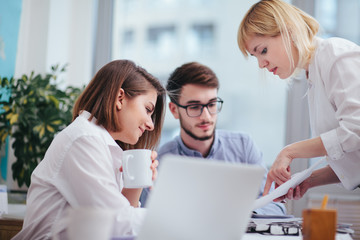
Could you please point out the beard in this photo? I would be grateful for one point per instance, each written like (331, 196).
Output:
(192, 135)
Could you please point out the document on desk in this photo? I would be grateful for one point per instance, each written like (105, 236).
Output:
(295, 180)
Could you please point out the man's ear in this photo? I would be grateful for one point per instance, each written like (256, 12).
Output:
(120, 99)
(174, 110)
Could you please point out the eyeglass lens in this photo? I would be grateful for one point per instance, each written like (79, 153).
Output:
(196, 109)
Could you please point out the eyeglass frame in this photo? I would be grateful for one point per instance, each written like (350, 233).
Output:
(292, 228)
(218, 100)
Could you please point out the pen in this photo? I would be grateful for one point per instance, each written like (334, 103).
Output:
(324, 201)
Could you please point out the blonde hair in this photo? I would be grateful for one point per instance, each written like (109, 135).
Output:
(273, 17)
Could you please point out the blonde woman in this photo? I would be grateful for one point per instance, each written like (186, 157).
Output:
(283, 39)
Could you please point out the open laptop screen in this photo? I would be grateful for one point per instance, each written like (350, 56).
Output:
(197, 198)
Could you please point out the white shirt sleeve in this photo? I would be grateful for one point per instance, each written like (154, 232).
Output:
(342, 86)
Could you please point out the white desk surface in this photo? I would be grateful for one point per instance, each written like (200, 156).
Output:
(257, 236)
(17, 211)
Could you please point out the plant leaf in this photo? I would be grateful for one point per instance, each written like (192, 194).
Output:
(50, 129)
(14, 118)
(42, 132)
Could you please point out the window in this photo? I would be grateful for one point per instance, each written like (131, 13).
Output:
(339, 18)
(200, 40)
(161, 41)
(162, 4)
(128, 43)
(162, 37)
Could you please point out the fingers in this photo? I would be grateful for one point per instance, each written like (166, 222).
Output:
(281, 175)
(280, 170)
(153, 155)
(297, 193)
(154, 176)
(290, 194)
(154, 165)
(267, 185)
(280, 199)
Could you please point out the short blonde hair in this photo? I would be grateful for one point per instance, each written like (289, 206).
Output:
(276, 17)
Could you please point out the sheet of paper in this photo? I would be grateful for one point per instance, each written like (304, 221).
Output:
(295, 180)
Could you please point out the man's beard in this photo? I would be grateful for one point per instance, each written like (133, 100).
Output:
(192, 135)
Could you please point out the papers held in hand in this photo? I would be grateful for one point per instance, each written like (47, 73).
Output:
(295, 180)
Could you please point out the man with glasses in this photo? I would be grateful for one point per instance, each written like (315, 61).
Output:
(193, 91)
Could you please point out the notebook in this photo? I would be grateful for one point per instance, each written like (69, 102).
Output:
(197, 198)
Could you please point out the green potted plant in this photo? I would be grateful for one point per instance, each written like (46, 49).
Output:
(34, 110)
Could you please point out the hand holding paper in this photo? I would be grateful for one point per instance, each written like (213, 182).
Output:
(295, 180)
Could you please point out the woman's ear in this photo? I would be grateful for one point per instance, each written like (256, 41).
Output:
(174, 110)
(120, 98)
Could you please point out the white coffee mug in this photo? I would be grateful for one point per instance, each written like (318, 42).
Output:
(136, 168)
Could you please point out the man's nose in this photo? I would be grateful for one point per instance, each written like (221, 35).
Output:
(205, 113)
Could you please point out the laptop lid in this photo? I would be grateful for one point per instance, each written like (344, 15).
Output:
(197, 198)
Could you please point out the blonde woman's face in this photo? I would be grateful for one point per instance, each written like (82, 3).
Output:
(271, 54)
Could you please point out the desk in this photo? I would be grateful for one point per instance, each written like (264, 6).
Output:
(257, 236)
(9, 227)
(11, 224)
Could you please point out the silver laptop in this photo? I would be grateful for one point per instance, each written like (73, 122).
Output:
(200, 199)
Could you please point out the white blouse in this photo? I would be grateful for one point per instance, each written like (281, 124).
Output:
(80, 168)
(334, 103)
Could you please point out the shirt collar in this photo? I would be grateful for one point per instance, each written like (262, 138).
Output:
(184, 150)
(106, 135)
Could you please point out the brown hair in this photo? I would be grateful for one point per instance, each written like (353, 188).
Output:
(190, 73)
(275, 17)
(99, 98)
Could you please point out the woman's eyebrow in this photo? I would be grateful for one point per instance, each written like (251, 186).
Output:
(255, 48)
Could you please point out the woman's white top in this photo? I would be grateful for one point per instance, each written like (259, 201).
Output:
(80, 169)
(334, 102)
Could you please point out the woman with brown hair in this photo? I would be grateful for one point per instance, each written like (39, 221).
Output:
(121, 108)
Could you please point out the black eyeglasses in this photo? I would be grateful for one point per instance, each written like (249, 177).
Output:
(195, 110)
